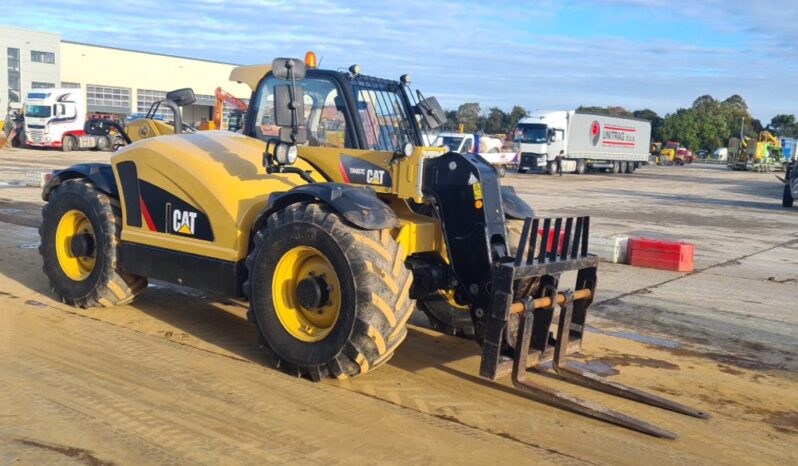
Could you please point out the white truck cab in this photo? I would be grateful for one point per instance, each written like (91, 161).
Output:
(55, 118)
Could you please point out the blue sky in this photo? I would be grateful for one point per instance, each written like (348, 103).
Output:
(658, 54)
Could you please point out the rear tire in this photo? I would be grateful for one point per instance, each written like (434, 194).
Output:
(501, 171)
(631, 167)
(69, 144)
(581, 167)
(22, 139)
(786, 198)
(370, 310)
(103, 143)
(624, 167)
(96, 280)
(616, 167)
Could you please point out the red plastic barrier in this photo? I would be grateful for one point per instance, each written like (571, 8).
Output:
(551, 240)
(664, 255)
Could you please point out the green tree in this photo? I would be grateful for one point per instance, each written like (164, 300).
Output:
(496, 121)
(516, 114)
(784, 126)
(736, 102)
(468, 116)
(706, 102)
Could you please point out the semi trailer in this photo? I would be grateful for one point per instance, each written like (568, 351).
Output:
(570, 142)
(55, 118)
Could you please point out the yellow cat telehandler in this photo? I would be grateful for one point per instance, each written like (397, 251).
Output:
(333, 220)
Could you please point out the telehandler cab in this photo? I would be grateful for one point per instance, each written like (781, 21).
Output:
(333, 220)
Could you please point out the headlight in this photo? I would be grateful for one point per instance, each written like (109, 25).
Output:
(285, 154)
(407, 149)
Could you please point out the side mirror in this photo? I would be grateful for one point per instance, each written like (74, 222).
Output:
(288, 68)
(182, 97)
(431, 112)
(102, 127)
(289, 100)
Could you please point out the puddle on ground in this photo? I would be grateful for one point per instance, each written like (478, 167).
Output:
(10, 211)
(178, 289)
(626, 335)
(12, 184)
(29, 245)
(31, 302)
(596, 366)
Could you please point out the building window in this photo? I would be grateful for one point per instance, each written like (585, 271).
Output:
(14, 94)
(144, 100)
(111, 98)
(68, 85)
(37, 85)
(42, 57)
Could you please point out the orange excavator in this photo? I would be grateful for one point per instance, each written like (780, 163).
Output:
(235, 119)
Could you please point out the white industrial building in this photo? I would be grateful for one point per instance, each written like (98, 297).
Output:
(115, 81)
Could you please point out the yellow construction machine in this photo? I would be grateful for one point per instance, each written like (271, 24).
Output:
(333, 220)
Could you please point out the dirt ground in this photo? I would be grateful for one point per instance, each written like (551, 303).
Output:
(176, 377)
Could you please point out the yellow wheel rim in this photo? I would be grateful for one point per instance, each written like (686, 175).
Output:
(448, 295)
(305, 324)
(71, 224)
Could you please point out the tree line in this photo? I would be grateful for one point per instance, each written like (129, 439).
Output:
(708, 124)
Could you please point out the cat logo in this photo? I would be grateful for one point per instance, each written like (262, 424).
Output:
(183, 221)
(374, 176)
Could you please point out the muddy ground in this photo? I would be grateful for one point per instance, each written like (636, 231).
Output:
(176, 378)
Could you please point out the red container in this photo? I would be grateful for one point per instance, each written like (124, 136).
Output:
(664, 255)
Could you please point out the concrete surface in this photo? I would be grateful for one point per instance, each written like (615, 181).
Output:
(176, 377)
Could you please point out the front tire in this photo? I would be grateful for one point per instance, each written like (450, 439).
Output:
(80, 233)
(328, 299)
(551, 168)
(69, 144)
(581, 167)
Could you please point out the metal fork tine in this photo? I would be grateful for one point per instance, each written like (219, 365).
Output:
(533, 240)
(555, 241)
(544, 245)
(566, 242)
(577, 237)
(596, 382)
(519, 252)
(565, 401)
(585, 235)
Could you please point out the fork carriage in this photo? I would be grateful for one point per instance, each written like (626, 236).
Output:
(563, 247)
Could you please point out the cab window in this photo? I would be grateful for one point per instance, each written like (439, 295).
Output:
(324, 117)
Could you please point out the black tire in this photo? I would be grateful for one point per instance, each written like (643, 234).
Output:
(786, 198)
(374, 298)
(521, 170)
(103, 143)
(624, 167)
(117, 143)
(631, 167)
(446, 318)
(581, 167)
(69, 144)
(501, 171)
(551, 168)
(616, 167)
(106, 285)
(22, 138)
